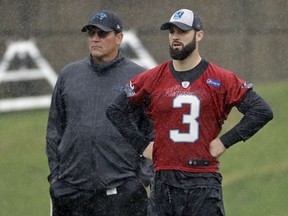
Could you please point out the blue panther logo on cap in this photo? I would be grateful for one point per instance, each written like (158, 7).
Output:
(178, 15)
(99, 16)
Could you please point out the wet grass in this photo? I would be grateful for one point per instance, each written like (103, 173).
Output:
(255, 173)
(23, 164)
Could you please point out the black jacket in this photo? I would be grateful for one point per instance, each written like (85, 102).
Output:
(83, 147)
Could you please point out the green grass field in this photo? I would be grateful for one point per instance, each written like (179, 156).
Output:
(255, 173)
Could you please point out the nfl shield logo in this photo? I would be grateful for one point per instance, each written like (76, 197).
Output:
(185, 84)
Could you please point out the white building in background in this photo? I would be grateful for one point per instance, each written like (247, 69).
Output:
(44, 71)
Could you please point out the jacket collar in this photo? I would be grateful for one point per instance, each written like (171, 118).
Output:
(101, 68)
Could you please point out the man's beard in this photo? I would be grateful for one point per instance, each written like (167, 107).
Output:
(185, 52)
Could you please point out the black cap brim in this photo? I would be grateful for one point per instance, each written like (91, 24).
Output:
(182, 26)
(103, 28)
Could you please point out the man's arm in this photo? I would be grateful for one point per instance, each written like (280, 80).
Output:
(55, 130)
(119, 113)
(256, 113)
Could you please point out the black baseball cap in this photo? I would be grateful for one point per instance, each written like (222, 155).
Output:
(184, 19)
(106, 21)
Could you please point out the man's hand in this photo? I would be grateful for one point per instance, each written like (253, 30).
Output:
(217, 148)
(148, 152)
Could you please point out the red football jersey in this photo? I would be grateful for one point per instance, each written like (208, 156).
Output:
(187, 116)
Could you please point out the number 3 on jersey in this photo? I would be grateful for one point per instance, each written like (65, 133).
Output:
(190, 119)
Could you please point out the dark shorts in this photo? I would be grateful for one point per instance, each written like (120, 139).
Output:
(130, 200)
(195, 201)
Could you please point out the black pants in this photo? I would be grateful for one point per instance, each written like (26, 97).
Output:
(130, 200)
(196, 201)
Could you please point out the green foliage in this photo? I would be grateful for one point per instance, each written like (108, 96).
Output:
(254, 172)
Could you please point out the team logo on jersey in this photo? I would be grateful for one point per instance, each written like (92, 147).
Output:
(129, 89)
(214, 83)
(247, 85)
(185, 84)
(131, 85)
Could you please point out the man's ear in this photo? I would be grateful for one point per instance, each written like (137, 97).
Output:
(119, 38)
(199, 35)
